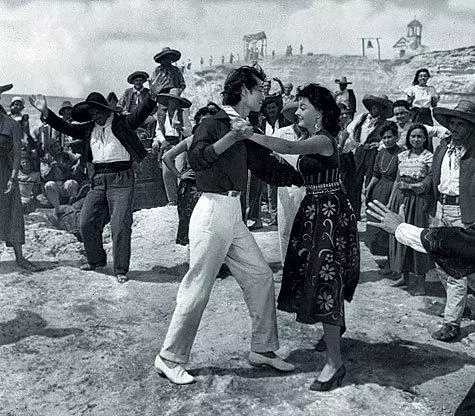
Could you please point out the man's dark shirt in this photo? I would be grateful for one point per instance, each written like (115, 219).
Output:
(228, 171)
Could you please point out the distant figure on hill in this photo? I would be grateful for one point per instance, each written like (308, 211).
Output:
(211, 60)
(222, 59)
(301, 49)
(273, 54)
(346, 97)
(202, 62)
(231, 58)
(188, 65)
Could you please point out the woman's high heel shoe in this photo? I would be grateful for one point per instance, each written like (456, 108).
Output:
(327, 385)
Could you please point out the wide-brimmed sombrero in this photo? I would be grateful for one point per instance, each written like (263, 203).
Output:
(382, 100)
(166, 51)
(465, 110)
(94, 100)
(289, 111)
(66, 104)
(136, 74)
(343, 80)
(5, 88)
(173, 96)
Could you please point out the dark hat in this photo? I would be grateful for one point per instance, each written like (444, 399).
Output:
(94, 100)
(66, 104)
(342, 80)
(289, 111)
(5, 88)
(381, 100)
(173, 95)
(136, 74)
(166, 51)
(465, 110)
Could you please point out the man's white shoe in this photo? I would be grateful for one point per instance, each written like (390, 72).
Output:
(176, 375)
(276, 362)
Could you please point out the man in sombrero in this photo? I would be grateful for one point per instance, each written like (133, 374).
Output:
(364, 133)
(112, 146)
(172, 127)
(453, 183)
(346, 96)
(134, 96)
(172, 74)
(4, 88)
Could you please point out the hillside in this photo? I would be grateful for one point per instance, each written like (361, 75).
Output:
(453, 74)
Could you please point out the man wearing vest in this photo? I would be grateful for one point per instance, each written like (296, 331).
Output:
(134, 96)
(453, 184)
(364, 130)
(112, 145)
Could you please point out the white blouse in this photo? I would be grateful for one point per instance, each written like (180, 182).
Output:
(422, 95)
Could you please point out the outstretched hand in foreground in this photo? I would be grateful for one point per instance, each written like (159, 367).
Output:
(388, 220)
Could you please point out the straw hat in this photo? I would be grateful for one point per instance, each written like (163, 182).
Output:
(342, 80)
(382, 100)
(93, 100)
(166, 51)
(136, 74)
(173, 96)
(465, 110)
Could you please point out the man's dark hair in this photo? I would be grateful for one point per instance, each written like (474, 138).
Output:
(402, 103)
(244, 76)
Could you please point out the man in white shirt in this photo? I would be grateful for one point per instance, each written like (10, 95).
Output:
(445, 178)
(112, 146)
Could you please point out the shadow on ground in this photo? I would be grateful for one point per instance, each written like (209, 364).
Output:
(27, 324)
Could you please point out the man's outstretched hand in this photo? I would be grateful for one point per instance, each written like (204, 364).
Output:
(39, 102)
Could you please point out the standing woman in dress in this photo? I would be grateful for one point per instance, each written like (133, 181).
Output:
(12, 225)
(322, 264)
(380, 187)
(412, 189)
(422, 97)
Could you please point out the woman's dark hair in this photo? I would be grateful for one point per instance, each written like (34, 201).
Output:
(388, 126)
(203, 111)
(244, 76)
(424, 131)
(416, 77)
(215, 109)
(322, 99)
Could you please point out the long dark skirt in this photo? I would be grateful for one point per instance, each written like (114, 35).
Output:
(376, 239)
(422, 115)
(401, 257)
(188, 196)
(322, 264)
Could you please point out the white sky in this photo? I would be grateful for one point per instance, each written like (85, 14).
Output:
(73, 47)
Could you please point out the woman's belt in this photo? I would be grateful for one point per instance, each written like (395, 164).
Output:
(112, 167)
(323, 188)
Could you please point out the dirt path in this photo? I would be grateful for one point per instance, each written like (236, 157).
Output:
(77, 343)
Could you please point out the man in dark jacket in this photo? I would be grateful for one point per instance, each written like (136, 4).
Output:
(220, 159)
(111, 144)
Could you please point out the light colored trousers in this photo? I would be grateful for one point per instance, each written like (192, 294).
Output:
(450, 216)
(288, 203)
(218, 234)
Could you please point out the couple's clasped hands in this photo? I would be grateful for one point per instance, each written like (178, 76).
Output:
(241, 129)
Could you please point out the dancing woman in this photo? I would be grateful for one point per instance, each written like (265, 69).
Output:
(321, 267)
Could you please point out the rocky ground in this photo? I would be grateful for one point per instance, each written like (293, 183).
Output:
(78, 343)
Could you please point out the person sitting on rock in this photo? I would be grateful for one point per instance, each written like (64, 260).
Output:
(60, 175)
